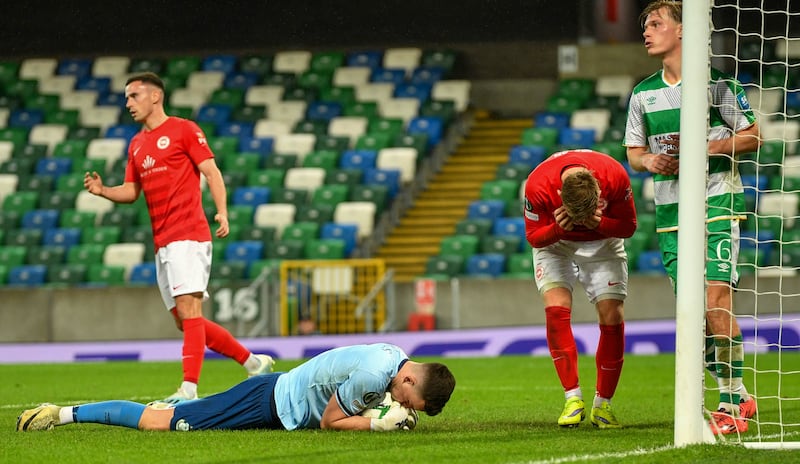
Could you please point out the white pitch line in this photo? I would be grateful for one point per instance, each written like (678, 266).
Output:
(602, 456)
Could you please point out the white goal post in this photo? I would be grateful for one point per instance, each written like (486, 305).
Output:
(765, 58)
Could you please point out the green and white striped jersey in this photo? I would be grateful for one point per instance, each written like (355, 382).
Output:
(654, 114)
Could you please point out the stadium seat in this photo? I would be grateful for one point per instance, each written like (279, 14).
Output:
(281, 161)
(510, 226)
(345, 232)
(477, 227)
(103, 235)
(487, 209)
(13, 255)
(72, 218)
(301, 231)
(252, 196)
(513, 172)
(109, 150)
(247, 251)
(444, 265)
(418, 91)
(65, 237)
(66, 275)
(405, 109)
(597, 119)
(428, 125)
(345, 176)
(649, 262)
(461, 245)
(403, 159)
(46, 255)
(519, 265)
(320, 214)
(285, 249)
(501, 244)
(324, 159)
(27, 275)
(388, 177)
(277, 215)
(144, 274)
(48, 134)
(126, 255)
(358, 159)
(324, 249)
(85, 201)
(294, 61)
(486, 265)
(270, 178)
(297, 197)
(360, 213)
(296, 144)
(405, 58)
(457, 91)
(37, 68)
(255, 144)
(102, 275)
(304, 178)
(351, 127)
(377, 194)
(330, 194)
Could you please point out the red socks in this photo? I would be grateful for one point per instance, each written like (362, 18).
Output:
(562, 345)
(609, 358)
(221, 341)
(194, 346)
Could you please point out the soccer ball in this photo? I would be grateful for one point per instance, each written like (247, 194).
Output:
(380, 409)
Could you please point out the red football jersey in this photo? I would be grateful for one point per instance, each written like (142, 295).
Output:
(164, 162)
(542, 199)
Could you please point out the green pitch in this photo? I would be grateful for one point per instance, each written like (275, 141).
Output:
(504, 410)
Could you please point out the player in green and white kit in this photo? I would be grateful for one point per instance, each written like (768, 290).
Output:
(652, 138)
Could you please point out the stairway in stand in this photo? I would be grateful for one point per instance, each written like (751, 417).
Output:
(436, 210)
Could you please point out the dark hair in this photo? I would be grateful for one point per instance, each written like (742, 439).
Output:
(438, 386)
(674, 9)
(148, 78)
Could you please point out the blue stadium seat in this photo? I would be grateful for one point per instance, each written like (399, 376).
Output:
(122, 131)
(241, 80)
(261, 145)
(486, 209)
(252, 196)
(429, 125)
(112, 99)
(247, 251)
(63, 236)
(551, 119)
(426, 75)
(54, 167)
(392, 76)
(346, 232)
(325, 111)
(367, 58)
(40, 219)
(421, 91)
(530, 155)
(27, 276)
(235, 129)
(143, 274)
(510, 226)
(25, 118)
(753, 184)
(583, 138)
(486, 265)
(221, 62)
(388, 177)
(78, 67)
(649, 262)
(101, 85)
(358, 159)
(214, 113)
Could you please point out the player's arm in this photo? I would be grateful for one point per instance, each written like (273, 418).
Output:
(541, 230)
(125, 193)
(745, 141)
(335, 418)
(641, 160)
(216, 185)
(619, 218)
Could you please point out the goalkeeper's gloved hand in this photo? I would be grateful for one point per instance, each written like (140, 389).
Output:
(396, 418)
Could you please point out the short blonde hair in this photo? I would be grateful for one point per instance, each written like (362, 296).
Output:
(674, 10)
(580, 194)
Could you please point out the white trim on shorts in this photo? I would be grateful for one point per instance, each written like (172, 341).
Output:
(183, 267)
(601, 266)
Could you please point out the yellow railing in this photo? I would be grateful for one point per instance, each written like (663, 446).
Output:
(331, 296)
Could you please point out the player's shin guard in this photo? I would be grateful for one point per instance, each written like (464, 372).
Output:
(194, 346)
(730, 362)
(122, 413)
(562, 346)
(221, 341)
(609, 358)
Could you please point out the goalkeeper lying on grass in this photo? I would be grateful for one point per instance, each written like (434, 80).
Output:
(329, 391)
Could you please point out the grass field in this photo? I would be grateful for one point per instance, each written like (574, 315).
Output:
(503, 411)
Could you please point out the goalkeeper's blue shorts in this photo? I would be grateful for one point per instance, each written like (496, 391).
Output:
(247, 405)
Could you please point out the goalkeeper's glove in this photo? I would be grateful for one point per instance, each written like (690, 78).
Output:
(397, 418)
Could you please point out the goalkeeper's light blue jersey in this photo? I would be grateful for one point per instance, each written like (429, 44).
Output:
(358, 375)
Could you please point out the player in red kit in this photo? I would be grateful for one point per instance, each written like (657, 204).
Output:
(578, 210)
(165, 161)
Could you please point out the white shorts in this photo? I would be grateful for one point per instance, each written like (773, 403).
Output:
(183, 267)
(601, 266)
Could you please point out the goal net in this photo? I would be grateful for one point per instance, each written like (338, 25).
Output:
(758, 43)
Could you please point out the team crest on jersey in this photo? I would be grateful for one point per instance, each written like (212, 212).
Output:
(651, 100)
(163, 142)
(201, 138)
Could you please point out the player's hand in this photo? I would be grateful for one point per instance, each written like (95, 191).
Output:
(224, 229)
(395, 419)
(93, 183)
(562, 218)
(593, 221)
(412, 419)
(661, 163)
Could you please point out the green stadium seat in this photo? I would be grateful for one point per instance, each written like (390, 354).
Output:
(228, 271)
(302, 94)
(249, 113)
(120, 217)
(443, 109)
(323, 158)
(317, 127)
(100, 274)
(20, 202)
(320, 214)
(47, 255)
(38, 183)
(326, 61)
(260, 65)
(439, 58)
(263, 234)
(31, 150)
(24, 237)
(285, 249)
(272, 178)
(13, 255)
(377, 194)
(57, 200)
(392, 127)
(501, 244)
(477, 227)
(182, 66)
(344, 176)
(242, 162)
(144, 64)
(103, 235)
(519, 265)
(234, 98)
(418, 141)
(502, 189)
(19, 166)
(9, 72)
(365, 109)
(224, 145)
(83, 133)
(544, 136)
(374, 141)
(72, 218)
(84, 165)
(445, 265)
(344, 95)
(280, 161)
(239, 215)
(334, 143)
(262, 265)
(580, 88)
(67, 275)
(461, 245)
(3, 274)
(316, 80)
(330, 194)
(330, 248)
(301, 231)
(297, 197)
(72, 182)
(22, 88)
(513, 172)
(46, 103)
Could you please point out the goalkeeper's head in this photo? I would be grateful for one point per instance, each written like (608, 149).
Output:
(580, 194)
(437, 387)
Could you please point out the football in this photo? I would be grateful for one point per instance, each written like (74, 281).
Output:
(387, 403)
